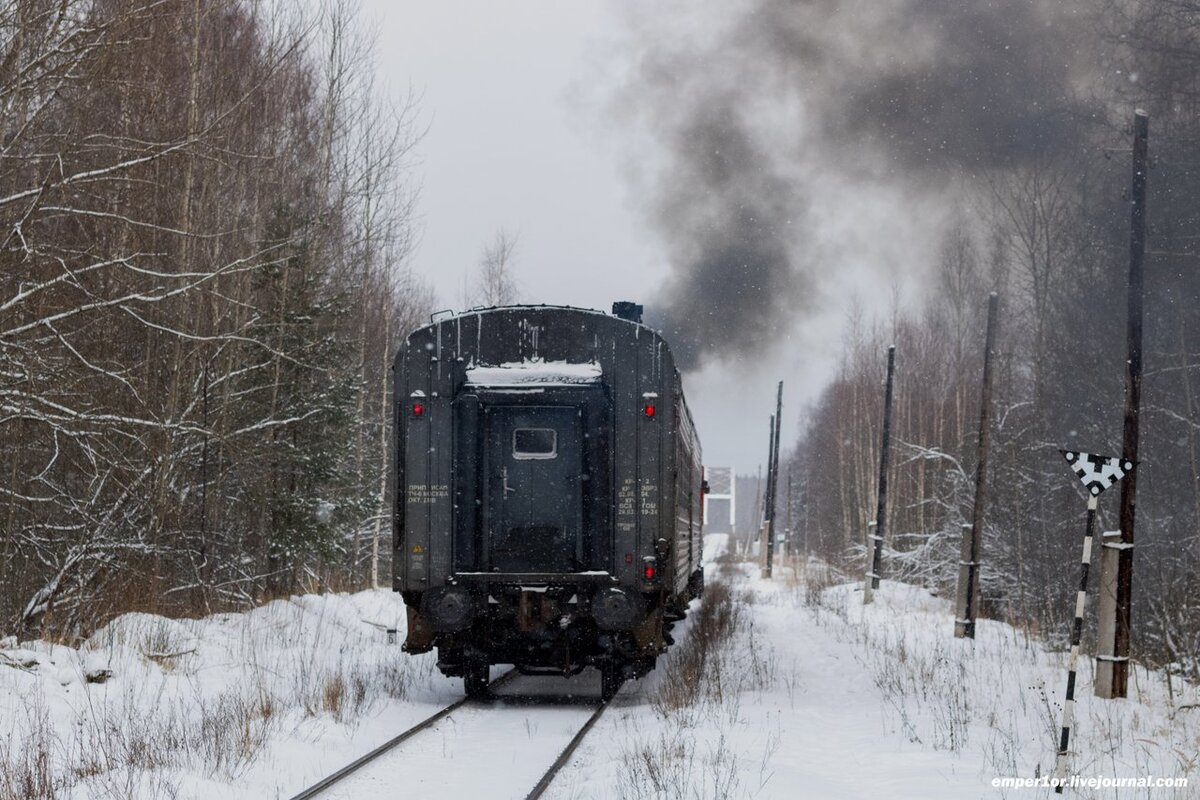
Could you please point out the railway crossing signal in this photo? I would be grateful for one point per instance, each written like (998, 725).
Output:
(1096, 473)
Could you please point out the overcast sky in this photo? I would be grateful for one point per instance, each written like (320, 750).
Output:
(515, 97)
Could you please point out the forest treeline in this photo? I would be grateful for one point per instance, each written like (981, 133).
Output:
(205, 210)
(1051, 237)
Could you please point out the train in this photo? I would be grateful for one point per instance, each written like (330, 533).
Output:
(549, 493)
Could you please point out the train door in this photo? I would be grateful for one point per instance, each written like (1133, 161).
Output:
(534, 504)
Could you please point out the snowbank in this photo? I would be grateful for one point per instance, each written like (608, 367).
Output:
(825, 698)
(248, 705)
(806, 693)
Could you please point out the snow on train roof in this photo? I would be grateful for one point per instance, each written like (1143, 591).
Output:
(535, 371)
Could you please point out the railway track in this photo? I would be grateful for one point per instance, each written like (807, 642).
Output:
(471, 745)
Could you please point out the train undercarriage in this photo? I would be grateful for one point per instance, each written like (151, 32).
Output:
(543, 630)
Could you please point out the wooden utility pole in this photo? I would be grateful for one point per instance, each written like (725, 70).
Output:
(881, 507)
(789, 533)
(766, 508)
(1133, 401)
(756, 512)
(774, 478)
(805, 521)
(972, 542)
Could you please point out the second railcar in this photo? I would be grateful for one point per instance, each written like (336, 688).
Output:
(548, 495)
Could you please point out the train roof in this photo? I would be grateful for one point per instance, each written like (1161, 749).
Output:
(449, 315)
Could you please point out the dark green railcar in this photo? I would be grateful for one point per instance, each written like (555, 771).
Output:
(548, 493)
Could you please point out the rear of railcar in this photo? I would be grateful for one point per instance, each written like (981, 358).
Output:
(548, 493)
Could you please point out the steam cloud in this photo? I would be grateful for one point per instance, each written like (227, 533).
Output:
(914, 91)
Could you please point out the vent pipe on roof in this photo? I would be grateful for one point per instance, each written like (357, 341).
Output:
(627, 310)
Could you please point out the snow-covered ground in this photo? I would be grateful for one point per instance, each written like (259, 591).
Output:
(809, 695)
(847, 701)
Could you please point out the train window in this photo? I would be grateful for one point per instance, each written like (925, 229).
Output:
(535, 443)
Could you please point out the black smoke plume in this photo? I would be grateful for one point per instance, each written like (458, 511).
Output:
(910, 91)
(730, 239)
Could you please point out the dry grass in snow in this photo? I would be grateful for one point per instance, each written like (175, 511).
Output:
(150, 707)
(792, 688)
(785, 688)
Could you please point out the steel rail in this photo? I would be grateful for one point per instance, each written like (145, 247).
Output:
(565, 755)
(320, 786)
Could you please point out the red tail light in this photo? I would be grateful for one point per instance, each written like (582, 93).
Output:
(418, 409)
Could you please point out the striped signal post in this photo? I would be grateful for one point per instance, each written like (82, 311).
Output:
(1097, 473)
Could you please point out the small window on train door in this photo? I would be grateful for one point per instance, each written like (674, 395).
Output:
(531, 443)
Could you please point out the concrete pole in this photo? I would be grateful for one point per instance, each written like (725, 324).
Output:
(964, 623)
(869, 582)
(1106, 613)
